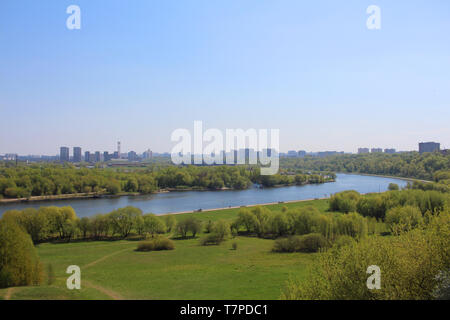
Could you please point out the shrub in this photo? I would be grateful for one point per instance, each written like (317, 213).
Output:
(393, 187)
(400, 219)
(234, 245)
(211, 239)
(343, 240)
(410, 265)
(19, 263)
(156, 244)
(307, 243)
(220, 231)
(344, 201)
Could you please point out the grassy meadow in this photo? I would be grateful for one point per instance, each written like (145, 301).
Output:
(114, 270)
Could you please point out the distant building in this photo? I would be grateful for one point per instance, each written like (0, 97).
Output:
(363, 150)
(132, 156)
(429, 147)
(147, 154)
(292, 154)
(106, 156)
(376, 150)
(97, 157)
(323, 154)
(64, 154)
(10, 157)
(390, 151)
(116, 155)
(87, 156)
(301, 153)
(76, 154)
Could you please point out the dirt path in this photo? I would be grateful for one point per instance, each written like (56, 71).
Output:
(110, 293)
(9, 293)
(104, 258)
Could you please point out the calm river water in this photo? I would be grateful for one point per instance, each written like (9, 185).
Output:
(193, 200)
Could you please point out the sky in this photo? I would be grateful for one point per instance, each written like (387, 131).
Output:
(138, 70)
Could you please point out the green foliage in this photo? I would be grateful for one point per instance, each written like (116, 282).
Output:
(124, 219)
(19, 263)
(312, 242)
(153, 224)
(170, 222)
(188, 225)
(156, 244)
(393, 187)
(53, 179)
(345, 201)
(407, 164)
(401, 219)
(409, 266)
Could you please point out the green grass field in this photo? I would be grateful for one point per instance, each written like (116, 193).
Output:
(114, 270)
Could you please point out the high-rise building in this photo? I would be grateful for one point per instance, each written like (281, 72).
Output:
(64, 154)
(292, 154)
(132, 156)
(302, 153)
(147, 154)
(97, 156)
(376, 150)
(363, 150)
(106, 156)
(87, 156)
(390, 151)
(76, 154)
(429, 147)
(118, 149)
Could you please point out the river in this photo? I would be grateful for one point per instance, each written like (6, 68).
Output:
(193, 200)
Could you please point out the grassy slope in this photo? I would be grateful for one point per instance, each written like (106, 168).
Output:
(114, 270)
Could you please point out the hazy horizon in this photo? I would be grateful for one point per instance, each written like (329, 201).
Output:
(136, 71)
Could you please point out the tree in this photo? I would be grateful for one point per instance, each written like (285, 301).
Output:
(153, 224)
(124, 219)
(393, 187)
(19, 263)
(189, 224)
(170, 222)
(84, 225)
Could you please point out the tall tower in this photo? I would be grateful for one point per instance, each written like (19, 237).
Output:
(118, 149)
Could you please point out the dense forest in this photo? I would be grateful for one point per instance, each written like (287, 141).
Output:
(25, 181)
(407, 165)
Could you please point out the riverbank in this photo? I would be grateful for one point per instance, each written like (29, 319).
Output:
(94, 195)
(386, 176)
(246, 206)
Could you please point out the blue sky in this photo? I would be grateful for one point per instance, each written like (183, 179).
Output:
(137, 70)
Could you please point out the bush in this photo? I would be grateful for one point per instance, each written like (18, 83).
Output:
(220, 231)
(410, 266)
(19, 263)
(156, 244)
(400, 219)
(234, 245)
(393, 187)
(343, 240)
(344, 201)
(211, 239)
(307, 243)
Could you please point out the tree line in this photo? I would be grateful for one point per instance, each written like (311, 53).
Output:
(25, 181)
(408, 164)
